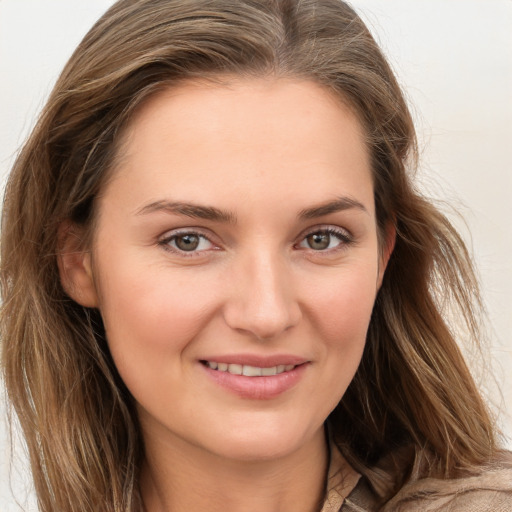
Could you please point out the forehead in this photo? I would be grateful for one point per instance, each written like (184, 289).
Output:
(258, 135)
(266, 100)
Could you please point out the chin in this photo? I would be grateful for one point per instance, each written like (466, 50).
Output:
(263, 441)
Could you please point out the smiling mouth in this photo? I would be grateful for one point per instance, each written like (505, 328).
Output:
(249, 371)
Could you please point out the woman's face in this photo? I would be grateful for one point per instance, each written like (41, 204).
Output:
(238, 234)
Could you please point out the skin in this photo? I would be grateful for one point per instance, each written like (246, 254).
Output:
(261, 151)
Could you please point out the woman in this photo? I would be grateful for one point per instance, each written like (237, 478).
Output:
(220, 287)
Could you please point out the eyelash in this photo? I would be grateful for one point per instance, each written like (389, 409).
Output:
(344, 237)
(165, 243)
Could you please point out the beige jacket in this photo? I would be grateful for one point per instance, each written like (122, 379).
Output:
(490, 491)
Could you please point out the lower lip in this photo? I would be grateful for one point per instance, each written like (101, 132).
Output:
(257, 388)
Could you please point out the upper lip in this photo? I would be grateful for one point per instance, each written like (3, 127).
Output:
(259, 361)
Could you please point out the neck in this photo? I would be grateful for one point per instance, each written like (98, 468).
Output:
(178, 477)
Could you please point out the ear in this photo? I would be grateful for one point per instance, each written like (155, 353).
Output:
(386, 251)
(75, 266)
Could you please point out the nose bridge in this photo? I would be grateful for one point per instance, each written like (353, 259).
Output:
(263, 300)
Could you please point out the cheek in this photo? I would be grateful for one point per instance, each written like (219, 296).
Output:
(341, 305)
(340, 312)
(150, 315)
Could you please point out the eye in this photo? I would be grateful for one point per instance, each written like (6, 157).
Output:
(326, 239)
(187, 242)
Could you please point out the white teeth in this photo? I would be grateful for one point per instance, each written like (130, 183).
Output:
(250, 371)
(235, 369)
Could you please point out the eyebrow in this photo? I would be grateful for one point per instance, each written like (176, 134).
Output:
(189, 210)
(215, 214)
(339, 204)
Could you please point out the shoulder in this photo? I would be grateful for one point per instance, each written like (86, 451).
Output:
(486, 490)
(490, 490)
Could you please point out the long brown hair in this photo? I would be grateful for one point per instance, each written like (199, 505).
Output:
(412, 387)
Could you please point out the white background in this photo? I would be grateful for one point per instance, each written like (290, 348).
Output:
(454, 59)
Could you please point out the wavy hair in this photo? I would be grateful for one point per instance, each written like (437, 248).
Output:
(412, 387)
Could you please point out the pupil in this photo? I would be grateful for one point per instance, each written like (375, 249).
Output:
(319, 241)
(187, 242)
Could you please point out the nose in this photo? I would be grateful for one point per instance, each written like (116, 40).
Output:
(262, 301)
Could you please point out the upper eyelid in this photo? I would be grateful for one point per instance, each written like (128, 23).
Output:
(325, 227)
(171, 233)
